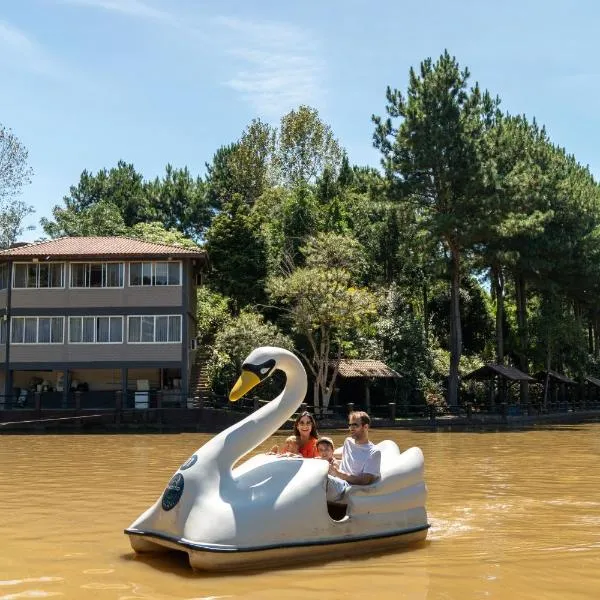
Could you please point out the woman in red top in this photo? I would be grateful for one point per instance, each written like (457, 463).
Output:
(305, 429)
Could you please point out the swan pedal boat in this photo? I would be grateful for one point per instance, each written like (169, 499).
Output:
(271, 510)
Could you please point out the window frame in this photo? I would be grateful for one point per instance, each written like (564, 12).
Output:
(154, 317)
(102, 263)
(37, 265)
(95, 317)
(37, 330)
(153, 264)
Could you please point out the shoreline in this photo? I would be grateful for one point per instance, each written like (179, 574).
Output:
(213, 421)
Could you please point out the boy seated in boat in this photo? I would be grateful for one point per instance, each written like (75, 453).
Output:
(326, 449)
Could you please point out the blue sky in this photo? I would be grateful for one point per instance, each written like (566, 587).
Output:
(85, 83)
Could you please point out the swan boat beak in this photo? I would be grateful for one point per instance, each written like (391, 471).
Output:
(243, 385)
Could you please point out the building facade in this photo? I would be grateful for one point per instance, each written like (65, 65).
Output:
(94, 321)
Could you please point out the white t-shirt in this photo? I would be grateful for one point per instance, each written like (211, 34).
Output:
(360, 458)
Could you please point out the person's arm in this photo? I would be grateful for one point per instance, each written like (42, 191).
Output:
(360, 479)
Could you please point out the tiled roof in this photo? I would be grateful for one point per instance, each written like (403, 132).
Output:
(364, 368)
(490, 371)
(99, 247)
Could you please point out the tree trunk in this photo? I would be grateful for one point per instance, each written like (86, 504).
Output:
(521, 297)
(425, 312)
(547, 378)
(455, 330)
(498, 283)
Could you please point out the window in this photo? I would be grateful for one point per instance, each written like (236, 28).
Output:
(96, 275)
(38, 275)
(95, 330)
(37, 330)
(155, 273)
(3, 329)
(154, 329)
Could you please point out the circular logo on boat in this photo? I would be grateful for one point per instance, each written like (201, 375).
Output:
(173, 492)
(190, 462)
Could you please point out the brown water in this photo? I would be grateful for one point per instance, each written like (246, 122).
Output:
(515, 515)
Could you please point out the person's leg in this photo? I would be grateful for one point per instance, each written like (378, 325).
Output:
(336, 488)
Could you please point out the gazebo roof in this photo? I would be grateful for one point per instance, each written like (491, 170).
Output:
(593, 380)
(556, 377)
(491, 371)
(351, 367)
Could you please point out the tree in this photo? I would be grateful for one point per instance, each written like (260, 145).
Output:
(14, 171)
(100, 218)
(122, 188)
(433, 158)
(305, 146)
(403, 340)
(242, 168)
(179, 202)
(157, 233)
(237, 254)
(14, 174)
(324, 305)
(12, 215)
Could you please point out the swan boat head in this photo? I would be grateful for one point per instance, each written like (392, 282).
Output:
(268, 501)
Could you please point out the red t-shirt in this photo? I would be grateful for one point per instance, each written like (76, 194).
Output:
(309, 450)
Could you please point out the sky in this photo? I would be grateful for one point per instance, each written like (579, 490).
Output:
(86, 83)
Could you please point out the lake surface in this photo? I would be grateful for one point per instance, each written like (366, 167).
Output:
(513, 514)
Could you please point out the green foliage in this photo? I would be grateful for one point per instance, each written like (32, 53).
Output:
(12, 215)
(14, 174)
(323, 304)
(305, 146)
(159, 234)
(14, 170)
(404, 343)
(477, 324)
(111, 202)
(100, 218)
(237, 255)
(234, 341)
(179, 202)
(558, 340)
(243, 168)
(212, 313)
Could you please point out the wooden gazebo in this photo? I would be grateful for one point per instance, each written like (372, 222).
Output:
(500, 378)
(367, 371)
(591, 395)
(556, 389)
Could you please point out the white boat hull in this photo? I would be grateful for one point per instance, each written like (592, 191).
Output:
(230, 558)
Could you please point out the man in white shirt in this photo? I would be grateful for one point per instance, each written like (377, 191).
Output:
(361, 460)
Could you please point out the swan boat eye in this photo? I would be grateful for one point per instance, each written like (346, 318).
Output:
(262, 371)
